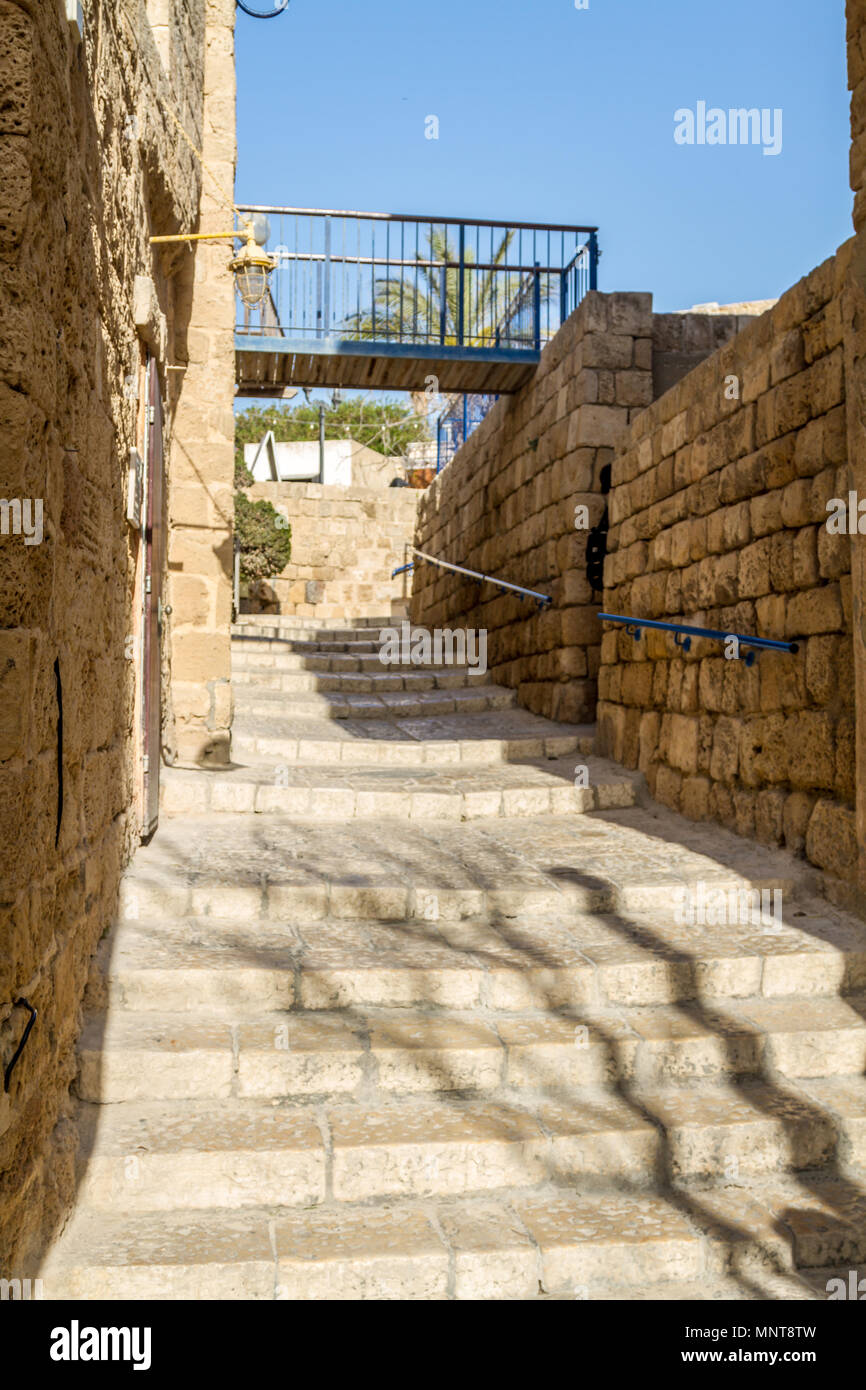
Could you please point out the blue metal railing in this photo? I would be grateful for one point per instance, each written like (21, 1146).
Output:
(385, 277)
(456, 423)
(683, 634)
(543, 599)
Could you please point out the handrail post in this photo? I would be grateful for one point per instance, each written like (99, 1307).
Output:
(461, 288)
(443, 300)
(236, 577)
(593, 261)
(327, 272)
(536, 305)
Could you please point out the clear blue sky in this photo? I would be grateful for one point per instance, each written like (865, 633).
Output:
(547, 112)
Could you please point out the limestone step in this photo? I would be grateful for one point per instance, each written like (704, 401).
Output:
(369, 682)
(290, 637)
(297, 1052)
(461, 792)
(250, 624)
(280, 868)
(501, 736)
(161, 1156)
(408, 1145)
(514, 966)
(412, 1147)
(344, 644)
(389, 704)
(287, 660)
(745, 1240)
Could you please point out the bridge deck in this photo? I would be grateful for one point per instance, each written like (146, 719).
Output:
(265, 365)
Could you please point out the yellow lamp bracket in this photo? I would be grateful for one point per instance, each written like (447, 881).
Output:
(251, 266)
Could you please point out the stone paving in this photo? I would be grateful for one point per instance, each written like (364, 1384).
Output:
(440, 1029)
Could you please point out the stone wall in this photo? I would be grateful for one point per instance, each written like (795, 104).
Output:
(854, 317)
(201, 497)
(505, 505)
(718, 514)
(345, 543)
(91, 166)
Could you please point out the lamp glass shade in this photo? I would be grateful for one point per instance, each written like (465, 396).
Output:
(252, 284)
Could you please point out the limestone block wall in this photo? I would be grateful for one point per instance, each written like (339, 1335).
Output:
(854, 317)
(718, 518)
(345, 543)
(855, 11)
(90, 162)
(201, 496)
(506, 503)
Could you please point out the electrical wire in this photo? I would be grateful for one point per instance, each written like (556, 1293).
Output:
(282, 6)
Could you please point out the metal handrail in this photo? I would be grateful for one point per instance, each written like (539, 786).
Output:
(412, 279)
(417, 217)
(19, 1004)
(543, 599)
(633, 626)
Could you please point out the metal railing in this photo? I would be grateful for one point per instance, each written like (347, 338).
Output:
(388, 277)
(683, 634)
(543, 599)
(456, 423)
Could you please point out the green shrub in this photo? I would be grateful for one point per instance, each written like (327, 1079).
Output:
(265, 538)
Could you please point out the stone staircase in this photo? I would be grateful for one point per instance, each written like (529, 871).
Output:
(395, 1009)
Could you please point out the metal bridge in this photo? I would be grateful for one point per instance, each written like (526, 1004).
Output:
(385, 301)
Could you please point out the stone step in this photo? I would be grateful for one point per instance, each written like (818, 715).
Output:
(381, 680)
(409, 1147)
(479, 739)
(456, 793)
(396, 704)
(251, 624)
(280, 868)
(741, 1241)
(335, 640)
(591, 961)
(371, 682)
(349, 647)
(244, 662)
(297, 1052)
(161, 1156)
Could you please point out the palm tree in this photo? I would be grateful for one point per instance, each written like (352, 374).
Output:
(424, 304)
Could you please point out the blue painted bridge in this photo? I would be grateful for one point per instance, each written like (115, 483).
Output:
(389, 301)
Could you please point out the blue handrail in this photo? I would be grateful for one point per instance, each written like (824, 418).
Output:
(634, 625)
(522, 593)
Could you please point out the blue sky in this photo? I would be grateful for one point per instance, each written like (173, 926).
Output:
(550, 113)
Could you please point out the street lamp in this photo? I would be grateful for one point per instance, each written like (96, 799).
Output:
(251, 266)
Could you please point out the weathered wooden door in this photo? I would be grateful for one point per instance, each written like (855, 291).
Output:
(153, 609)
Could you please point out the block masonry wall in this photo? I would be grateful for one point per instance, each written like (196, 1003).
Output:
(91, 165)
(506, 503)
(854, 316)
(201, 498)
(718, 514)
(345, 544)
